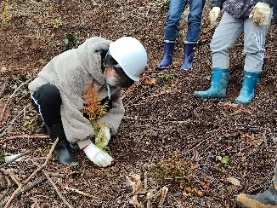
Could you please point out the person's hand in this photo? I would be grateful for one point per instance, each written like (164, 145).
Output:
(260, 13)
(103, 137)
(97, 156)
(213, 15)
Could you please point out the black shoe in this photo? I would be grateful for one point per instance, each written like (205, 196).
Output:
(62, 149)
(268, 199)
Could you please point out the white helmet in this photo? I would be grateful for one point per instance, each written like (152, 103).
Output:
(130, 55)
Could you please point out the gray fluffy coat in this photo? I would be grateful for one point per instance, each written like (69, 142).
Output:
(70, 72)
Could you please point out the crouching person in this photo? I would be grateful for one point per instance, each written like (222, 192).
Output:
(69, 91)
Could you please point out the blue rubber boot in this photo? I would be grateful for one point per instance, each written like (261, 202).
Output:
(218, 86)
(167, 57)
(247, 91)
(188, 56)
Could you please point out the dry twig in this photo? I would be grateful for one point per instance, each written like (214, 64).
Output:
(38, 136)
(26, 188)
(18, 190)
(54, 186)
(79, 192)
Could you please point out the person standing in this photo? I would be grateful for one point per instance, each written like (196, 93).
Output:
(251, 18)
(268, 198)
(176, 8)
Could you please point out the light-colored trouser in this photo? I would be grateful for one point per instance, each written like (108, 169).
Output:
(228, 31)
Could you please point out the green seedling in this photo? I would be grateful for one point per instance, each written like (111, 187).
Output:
(56, 23)
(70, 42)
(167, 78)
(223, 161)
(15, 82)
(30, 75)
(29, 123)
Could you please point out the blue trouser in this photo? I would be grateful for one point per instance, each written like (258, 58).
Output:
(174, 14)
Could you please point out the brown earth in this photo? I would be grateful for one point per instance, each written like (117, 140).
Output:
(203, 151)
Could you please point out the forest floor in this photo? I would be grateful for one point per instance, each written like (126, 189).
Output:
(171, 149)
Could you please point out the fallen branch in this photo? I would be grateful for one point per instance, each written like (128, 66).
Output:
(26, 188)
(38, 136)
(79, 192)
(54, 186)
(18, 190)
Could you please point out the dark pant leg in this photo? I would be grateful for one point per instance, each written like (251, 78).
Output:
(47, 101)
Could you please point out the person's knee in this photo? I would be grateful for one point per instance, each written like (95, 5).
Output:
(195, 17)
(49, 95)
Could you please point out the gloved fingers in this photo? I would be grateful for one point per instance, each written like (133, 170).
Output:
(213, 15)
(260, 14)
(261, 19)
(104, 159)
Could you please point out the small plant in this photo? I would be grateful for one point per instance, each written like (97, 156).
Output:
(174, 167)
(167, 78)
(223, 161)
(29, 123)
(15, 82)
(179, 171)
(100, 137)
(43, 150)
(95, 110)
(92, 105)
(70, 41)
(56, 23)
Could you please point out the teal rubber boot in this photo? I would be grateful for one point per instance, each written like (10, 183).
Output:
(218, 86)
(247, 91)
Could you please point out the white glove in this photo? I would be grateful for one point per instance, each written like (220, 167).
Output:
(260, 13)
(214, 14)
(103, 137)
(97, 156)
